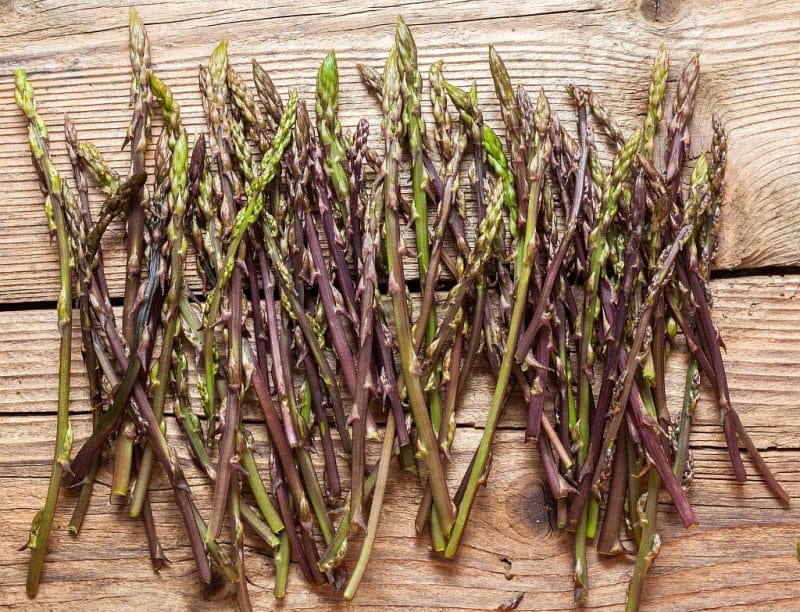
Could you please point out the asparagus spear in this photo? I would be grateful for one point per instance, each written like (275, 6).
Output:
(477, 473)
(374, 512)
(426, 443)
(56, 190)
(183, 186)
(138, 136)
(414, 130)
(93, 370)
(330, 132)
(367, 288)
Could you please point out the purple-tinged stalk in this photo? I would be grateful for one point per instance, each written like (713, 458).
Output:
(138, 136)
(295, 310)
(184, 180)
(268, 95)
(695, 208)
(615, 338)
(367, 290)
(323, 280)
(247, 215)
(243, 602)
(228, 460)
(93, 370)
(283, 454)
(143, 415)
(554, 266)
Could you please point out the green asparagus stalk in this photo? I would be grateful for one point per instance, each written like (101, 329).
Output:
(330, 131)
(179, 177)
(56, 190)
(414, 129)
(649, 545)
(374, 512)
(655, 111)
(477, 473)
(426, 442)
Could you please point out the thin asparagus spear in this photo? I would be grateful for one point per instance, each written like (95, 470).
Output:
(227, 462)
(477, 474)
(138, 136)
(330, 132)
(268, 94)
(184, 185)
(649, 545)
(56, 190)
(214, 89)
(332, 234)
(367, 288)
(245, 105)
(374, 512)
(426, 442)
(93, 371)
(414, 130)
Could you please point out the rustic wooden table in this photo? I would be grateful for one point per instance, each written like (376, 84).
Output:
(745, 551)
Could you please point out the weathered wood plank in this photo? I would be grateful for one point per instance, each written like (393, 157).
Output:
(76, 55)
(742, 553)
(759, 318)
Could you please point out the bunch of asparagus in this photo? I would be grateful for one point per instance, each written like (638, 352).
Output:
(571, 269)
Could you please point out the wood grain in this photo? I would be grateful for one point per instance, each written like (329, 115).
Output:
(759, 318)
(743, 555)
(76, 56)
(743, 551)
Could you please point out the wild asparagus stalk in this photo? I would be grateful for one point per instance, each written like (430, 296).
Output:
(184, 185)
(55, 190)
(246, 107)
(477, 473)
(214, 90)
(426, 443)
(93, 370)
(414, 130)
(228, 460)
(330, 131)
(268, 94)
(138, 136)
(374, 512)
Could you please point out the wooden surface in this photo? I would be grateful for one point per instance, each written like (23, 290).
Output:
(744, 552)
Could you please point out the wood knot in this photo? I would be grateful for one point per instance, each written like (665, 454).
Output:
(659, 11)
(533, 508)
